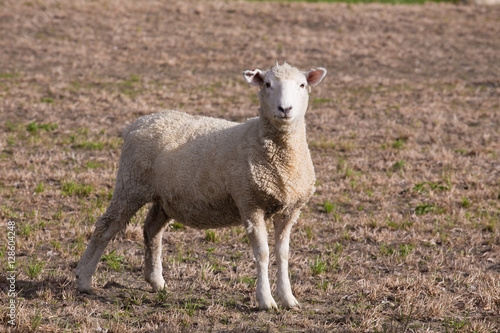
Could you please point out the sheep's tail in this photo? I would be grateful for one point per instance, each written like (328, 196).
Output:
(126, 131)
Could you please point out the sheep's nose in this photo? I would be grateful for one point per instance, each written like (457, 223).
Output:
(286, 110)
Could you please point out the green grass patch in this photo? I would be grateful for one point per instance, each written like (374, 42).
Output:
(84, 140)
(129, 86)
(191, 305)
(323, 144)
(162, 296)
(328, 207)
(212, 236)
(39, 188)
(36, 321)
(321, 100)
(177, 226)
(386, 250)
(7, 75)
(404, 225)
(34, 268)
(48, 100)
(465, 202)
(405, 250)
(250, 281)
(399, 165)
(318, 266)
(132, 80)
(309, 232)
(72, 189)
(113, 261)
(93, 165)
(33, 127)
(426, 186)
(26, 230)
(425, 208)
(11, 127)
(89, 145)
(398, 144)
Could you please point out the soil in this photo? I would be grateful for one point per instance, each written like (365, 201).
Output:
(402, 235)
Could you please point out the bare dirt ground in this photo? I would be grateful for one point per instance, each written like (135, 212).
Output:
(403, 234)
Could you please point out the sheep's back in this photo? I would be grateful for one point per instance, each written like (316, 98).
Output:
(183, 159)
(168, 130)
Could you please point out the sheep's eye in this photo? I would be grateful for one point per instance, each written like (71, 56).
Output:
(268, 85)
(303, 85)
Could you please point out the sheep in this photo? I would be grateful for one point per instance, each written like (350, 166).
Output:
(208, 173)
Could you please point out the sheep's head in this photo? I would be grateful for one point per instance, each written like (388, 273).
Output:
(284, 92)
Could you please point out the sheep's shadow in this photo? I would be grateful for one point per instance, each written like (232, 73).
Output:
(63, 289)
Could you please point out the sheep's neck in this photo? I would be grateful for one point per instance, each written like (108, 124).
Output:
(288, 161)
(286, 141)
(285, 145)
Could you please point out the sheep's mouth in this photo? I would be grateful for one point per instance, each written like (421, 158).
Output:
(284, 118)
(283, 115)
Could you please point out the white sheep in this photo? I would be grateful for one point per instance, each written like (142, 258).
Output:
(209, 173)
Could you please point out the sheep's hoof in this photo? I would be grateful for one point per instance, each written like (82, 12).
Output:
(287, 299)
(158, 284)
(268, 305)
(84, 286)
(291, 303)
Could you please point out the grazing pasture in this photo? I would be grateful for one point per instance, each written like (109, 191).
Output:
(402, 234)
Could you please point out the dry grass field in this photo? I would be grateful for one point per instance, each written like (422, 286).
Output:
(402, 235)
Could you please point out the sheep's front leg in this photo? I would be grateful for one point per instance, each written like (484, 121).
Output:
(282, 229)
(256, 230)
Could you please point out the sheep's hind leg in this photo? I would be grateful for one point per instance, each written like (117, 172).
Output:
(107, 226)
(282, 229)
(256, 230)
(153, 231)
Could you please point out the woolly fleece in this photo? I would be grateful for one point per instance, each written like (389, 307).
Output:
(208, 173)
(205, 171)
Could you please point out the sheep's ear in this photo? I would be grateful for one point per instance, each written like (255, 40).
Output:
(254, 77)
(314, 76)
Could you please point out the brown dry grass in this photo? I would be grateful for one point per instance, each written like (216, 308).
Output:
(403, 234)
